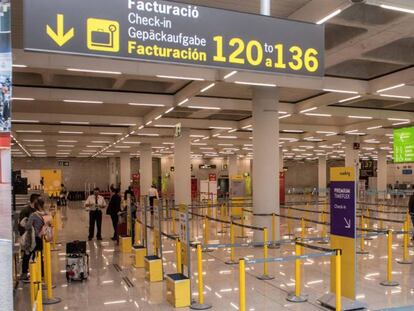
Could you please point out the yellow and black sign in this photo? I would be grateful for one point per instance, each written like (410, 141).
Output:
(174, 32)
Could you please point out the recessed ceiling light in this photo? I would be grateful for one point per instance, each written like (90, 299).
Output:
(34, 140)
(208, 87)
(309, 109)
(292, 131)
(164, 125)
(67, 141)
(227, 137)
(83, 101)
(219, 128)
(94, 71)
(169, 110)
(328, 17)
(360, 117)
(255, 83)
(318, 114)
(183, 102)
(19, 66)
(396, 8)
(395, 96)
(28, 131)
(23, 98)
(230, 74)
(74, 122)
(146, 105)
(148, 134)
(122, 124)
(110, 133)
(204, 107)
(132, 142)
(391, 87)
(348, 99)
(340, 91)
(179, 78)
(70, 132)
(25, 121)
(100, 141)
(374, 127)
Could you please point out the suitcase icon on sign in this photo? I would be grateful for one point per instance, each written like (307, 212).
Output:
(102, 35)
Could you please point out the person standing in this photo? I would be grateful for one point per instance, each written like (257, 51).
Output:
(94, 204)
(130, 192)
(114, 207)
(23, 219)
(63, 195)
(153, 194)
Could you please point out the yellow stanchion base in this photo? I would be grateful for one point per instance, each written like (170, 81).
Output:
(329, 301)
(178, 290)
(139, 255)
(153, 269)
(292, 298)
(125, 244)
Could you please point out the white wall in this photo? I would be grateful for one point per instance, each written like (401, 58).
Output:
(394, 173)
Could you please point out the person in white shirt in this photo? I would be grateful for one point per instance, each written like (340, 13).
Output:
(153, 194)
(95, 203)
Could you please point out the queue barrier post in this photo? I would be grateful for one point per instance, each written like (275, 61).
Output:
(265, 275)
(389, 281)
(55, 231)
(200, 305)
(38, 296)
(362, 250)
(50, 300)
(206, 235)
(303, 228)
(406, 240)
(324, 234)
(33, 280)
(297, 296)
(274, 244)
(242, 285)
(368, 225)
(38, 267)
(137, 233)
(174, 232)
(338, 280)
(231, 261)
(178, 255)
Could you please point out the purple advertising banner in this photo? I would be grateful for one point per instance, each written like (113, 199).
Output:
(342, 195)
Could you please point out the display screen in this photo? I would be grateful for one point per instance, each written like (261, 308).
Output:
(404, 145)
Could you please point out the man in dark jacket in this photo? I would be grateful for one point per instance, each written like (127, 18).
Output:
(114, 207)
(24, 215)
(411, 209)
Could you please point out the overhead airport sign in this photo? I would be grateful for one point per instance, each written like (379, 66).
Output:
(176, 33)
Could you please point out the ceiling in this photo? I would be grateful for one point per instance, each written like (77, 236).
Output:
(72, 106)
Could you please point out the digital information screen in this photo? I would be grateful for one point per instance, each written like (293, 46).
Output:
(404, 145)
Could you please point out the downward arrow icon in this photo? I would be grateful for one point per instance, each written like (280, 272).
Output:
(348, 223)
(60, 37)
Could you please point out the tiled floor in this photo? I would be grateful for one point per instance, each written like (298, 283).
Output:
(106, 289)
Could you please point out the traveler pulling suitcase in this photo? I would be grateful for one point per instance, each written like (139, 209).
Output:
(77, 261)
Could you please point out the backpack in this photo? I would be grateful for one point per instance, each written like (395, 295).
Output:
(28, 239)
(46, 232)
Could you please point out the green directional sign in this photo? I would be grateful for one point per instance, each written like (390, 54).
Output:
(173, 32)
(404, 145)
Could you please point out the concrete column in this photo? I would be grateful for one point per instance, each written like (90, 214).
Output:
(113, 171)
(265, 158)
(265, 7)
(125, 171)
(352, 159)
(145, 168)
(182, 165)
(232, 165)
(322, 176)
(281, 160)
(382, 174)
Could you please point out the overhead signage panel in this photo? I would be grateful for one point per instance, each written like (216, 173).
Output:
(176, 33)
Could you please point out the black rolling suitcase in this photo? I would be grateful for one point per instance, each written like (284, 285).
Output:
(77, 261)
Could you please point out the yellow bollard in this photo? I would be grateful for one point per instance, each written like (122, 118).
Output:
(405, 260)
(33, 280)
(200, 305)
(137, 233)
(303, 227)
(173, 222)
(39, 266)
(48, 276)
(39, 297)
(338, 280)
(231, 261)
(297, 296)
(265, 275)
(362, 250)
(178, 255)
(242, 285)
(389, 281)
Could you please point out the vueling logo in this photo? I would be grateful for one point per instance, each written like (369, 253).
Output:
(345, 173)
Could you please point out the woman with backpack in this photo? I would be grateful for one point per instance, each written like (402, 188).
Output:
(40, 222)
